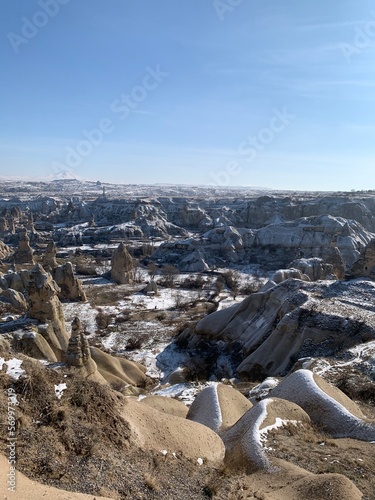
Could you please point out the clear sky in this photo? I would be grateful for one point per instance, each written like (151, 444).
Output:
(274, 93)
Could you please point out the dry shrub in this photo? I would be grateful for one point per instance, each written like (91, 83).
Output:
(357, 387)
(152, 482)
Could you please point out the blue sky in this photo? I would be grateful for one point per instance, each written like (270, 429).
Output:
(275, 93)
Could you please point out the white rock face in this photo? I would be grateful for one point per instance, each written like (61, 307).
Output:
(326, 405)
(292, 320)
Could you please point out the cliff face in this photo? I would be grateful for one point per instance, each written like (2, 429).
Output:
(274, 246)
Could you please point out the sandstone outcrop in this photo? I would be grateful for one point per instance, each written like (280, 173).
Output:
(243, 441)
(365, 265)
(170, 406)
(24, 253)
(337, 241)
(5, 251)
(122, 271)
(49, 258)
(119, 371)
(218, 407)
(156, 430)
(16, 299)
(326, 405)
(292, 320)
(16, 281)
(70, 286)
(78, 354)
(45, 306)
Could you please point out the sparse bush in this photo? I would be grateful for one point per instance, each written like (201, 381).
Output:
(134, 343)
(358, 388)
(170, 274)
(152, 482)
(194, 283)
(219, 286)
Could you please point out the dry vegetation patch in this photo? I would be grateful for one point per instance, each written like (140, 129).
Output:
(308, 447)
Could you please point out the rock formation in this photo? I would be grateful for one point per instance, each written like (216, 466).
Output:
(118, 371)
(326, 405)
(243, 441)
(16, 299)
(151, 288)
(295, 319)
(45, 306)
(337, 241)
(365, 265)
(70, 286)
(5, 251)
(78, 354)
(122, 266)
(4, 228)
(49, 258)
(218, 407)
(24, 253)
(15, 281)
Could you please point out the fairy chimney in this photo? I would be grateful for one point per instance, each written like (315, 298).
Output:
(24, 253)
(49, 258)
(122, 266)
(70, 286)
(45, 306)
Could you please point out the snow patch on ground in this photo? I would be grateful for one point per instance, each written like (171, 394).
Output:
(59, 389)
(185, 392)
(13, 367)
(84, 311)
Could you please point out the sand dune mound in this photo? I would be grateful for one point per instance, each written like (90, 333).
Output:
(155, 430)
(243, 441)
(326, 405)
(319, 487)
(116, 370)
(166, 405)
(218, 406)
(290, 482)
